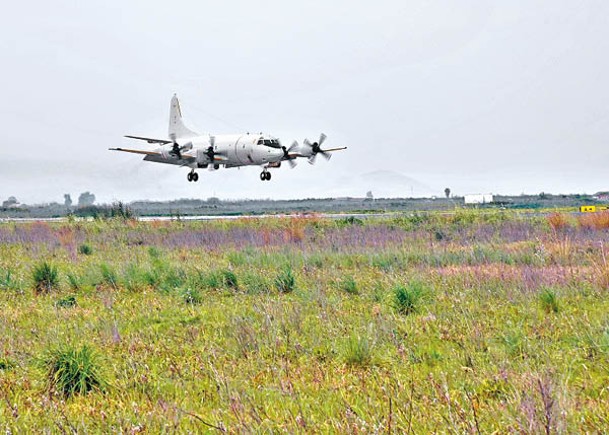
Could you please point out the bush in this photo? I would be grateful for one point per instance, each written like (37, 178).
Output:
(406, 298)
(549, 301)
(85, 249)
(45, 277)
(285, 281)
(71, 371)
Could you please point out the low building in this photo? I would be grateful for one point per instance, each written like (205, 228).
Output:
(478, 198)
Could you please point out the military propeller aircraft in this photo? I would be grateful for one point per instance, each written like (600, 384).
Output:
(187, 148)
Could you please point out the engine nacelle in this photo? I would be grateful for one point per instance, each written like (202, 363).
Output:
(202, 158)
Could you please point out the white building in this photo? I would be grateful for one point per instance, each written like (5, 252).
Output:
(478, 198)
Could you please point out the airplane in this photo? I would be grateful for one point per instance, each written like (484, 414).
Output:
(187, 148)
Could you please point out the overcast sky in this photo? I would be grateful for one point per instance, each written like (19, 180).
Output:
(479, 96)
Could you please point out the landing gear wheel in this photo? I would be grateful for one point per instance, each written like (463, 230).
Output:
(195, 177)
(268, 176)
(262, 176)
(189, 177)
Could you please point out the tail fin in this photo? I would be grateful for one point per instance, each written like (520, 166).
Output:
(177, 129)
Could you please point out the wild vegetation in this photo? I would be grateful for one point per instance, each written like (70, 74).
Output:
(460, 322)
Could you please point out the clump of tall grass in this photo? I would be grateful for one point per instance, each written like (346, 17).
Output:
(6, 280)
(85, 249)
(348, 285)
(66, 302)
(285, 282)
(558, 221)
(191, 296)
(407, 298)
(109, 275)
(230, 279)
(46, 277)
(595, 221)
(70, 371)
(357, 351)
(549, 300)
(6, 364)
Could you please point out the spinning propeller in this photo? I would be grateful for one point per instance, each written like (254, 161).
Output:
(312, 149)
(286, 154)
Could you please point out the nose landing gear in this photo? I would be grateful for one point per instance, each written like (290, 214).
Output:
(192, 176)
(265, 175)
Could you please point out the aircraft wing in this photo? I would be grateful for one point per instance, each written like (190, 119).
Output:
(150, 139)
(148, 153)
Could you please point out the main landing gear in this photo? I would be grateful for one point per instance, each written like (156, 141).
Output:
(192, 176)
(265, 175)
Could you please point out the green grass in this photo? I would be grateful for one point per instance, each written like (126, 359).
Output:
(499, 325)
(46, 277)
(70, 371)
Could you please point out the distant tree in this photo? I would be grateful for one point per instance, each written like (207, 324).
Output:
(86, 199)
(67, 200)
(11, 201)
(447, 192)
(369, 195)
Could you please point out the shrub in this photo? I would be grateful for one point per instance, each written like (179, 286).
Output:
(285, 281)
(358, 351)
(71, 371)
(549, 301)
(406, 298)
(85, 249)
(45, 277)
(67, 302)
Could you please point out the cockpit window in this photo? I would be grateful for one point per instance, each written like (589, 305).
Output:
(260, 142)
(273, 143)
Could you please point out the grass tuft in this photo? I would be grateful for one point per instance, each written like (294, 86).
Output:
(549, 301)
(349, 285)
(406, 298)
(191, 296)
(46, 277)
(70, 371)
(67, 302)
(285, 281)
(85, 249)
(358, 351)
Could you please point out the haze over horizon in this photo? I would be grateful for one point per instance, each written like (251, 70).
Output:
(480, 97)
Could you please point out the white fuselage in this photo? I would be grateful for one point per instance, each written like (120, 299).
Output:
(229, 150)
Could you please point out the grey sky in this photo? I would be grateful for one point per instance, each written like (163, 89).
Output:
(480, 96)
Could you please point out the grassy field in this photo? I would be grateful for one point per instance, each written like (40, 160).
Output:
(467, 322)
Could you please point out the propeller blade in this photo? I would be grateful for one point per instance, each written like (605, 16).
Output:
(292, 163)
(312, 159)
(293, 146)
(322, 138)
(325, 155)
(307, 143)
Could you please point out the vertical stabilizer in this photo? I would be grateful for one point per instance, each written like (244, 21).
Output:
(177, 129)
